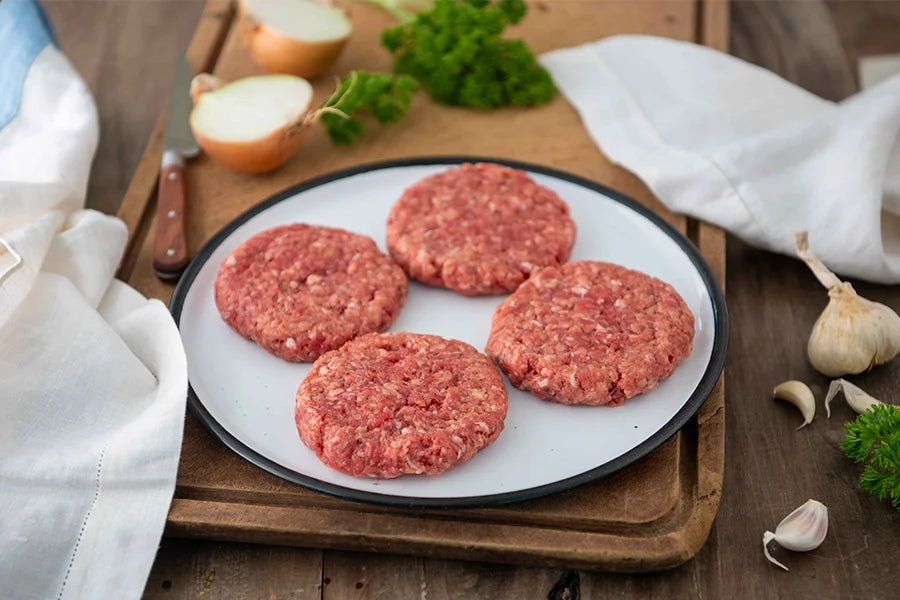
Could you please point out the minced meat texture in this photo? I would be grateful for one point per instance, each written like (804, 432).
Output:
(590, 333)
(392, 404)
(479, 229)
(301, 290)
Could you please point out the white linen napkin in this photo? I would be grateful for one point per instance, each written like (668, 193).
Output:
(733, 144)
(93, 377)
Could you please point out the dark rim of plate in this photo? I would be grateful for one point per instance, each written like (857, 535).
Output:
(681, 418)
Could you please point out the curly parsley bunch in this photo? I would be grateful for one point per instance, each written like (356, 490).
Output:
(874, 438)
(456, 52)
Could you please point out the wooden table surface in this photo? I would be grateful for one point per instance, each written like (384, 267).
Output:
(125, 49)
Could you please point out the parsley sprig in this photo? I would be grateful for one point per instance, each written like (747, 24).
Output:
(874, 438)
(384, 96)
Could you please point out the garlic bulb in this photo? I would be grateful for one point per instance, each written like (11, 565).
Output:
(852, 334)
(798, 394)
(801, 531)
(856, 397)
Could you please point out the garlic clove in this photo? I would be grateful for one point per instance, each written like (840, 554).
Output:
(805, 528)
(856, 398)
(798, 394)
(801, 531)
(852, 334)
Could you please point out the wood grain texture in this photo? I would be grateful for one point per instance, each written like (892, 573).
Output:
(231, 479)
(865, 28)
(796, 39)
(357, 576)
(132, 213)
(713, 27)
(125, 51)
(187, 570)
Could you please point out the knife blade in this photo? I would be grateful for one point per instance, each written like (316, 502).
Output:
(170, 255)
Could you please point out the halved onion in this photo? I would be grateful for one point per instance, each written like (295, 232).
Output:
(253, 124)
(300, 37)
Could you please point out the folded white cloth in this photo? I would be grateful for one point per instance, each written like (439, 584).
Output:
(92, 375)
(733, 144)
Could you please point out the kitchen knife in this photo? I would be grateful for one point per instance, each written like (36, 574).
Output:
(170, 255)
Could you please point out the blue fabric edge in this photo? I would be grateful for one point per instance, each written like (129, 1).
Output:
(24, 32)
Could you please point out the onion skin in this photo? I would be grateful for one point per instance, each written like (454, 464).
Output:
(257, 156)
(202, 83)
(277, 53)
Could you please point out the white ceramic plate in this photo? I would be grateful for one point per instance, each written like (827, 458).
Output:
(246, 395)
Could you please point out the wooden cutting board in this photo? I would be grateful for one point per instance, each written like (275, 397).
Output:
(653, 515)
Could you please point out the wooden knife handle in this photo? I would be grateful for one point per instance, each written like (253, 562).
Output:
(170, 255)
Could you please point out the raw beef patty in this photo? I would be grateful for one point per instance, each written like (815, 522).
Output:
(590, 333)
(392, 404)
(299, 290)
(479, 229)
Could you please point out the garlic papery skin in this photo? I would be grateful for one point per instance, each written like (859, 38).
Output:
(801, 531)
(798, 394)
(852, 334)
(857, 399)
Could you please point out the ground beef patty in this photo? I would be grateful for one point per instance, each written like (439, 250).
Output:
(479, 229)
(392, 404)
(299, 290)
(590, 333)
